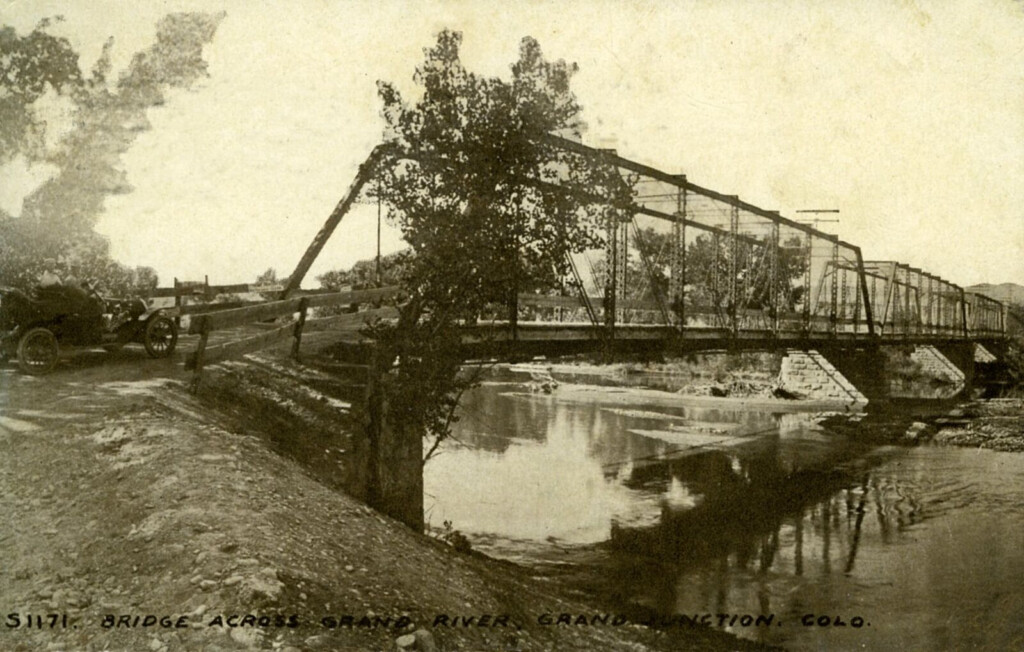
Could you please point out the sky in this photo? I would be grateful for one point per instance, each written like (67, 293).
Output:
(906, 116)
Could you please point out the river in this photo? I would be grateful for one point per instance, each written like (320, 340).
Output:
(672, 513)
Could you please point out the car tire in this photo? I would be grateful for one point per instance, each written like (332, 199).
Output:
(161, 337)
(38, 351)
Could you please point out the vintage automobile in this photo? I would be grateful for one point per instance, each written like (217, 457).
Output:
(34, 328)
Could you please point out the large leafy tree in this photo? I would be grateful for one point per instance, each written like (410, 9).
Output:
(481, 199)
(475, 195)
(58, 217)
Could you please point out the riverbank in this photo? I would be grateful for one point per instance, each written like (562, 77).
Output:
(993, 424)
(749, 381)
(742, 375)
(126, 498)
(742, 382)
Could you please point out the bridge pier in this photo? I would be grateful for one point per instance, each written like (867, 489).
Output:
(880, 372)
(863, 367)
(811, 375)
(392, 455)
(953, 361)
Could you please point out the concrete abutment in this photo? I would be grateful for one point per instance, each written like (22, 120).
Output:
(809, 374)
(882, 372)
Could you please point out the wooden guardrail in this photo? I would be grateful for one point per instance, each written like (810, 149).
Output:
(205, 323)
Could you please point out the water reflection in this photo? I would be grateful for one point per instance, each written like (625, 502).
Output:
(669, 511)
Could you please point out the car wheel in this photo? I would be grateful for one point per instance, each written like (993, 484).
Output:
(38, 351)
(161, 337)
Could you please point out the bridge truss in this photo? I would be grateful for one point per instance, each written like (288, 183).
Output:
(690, 262)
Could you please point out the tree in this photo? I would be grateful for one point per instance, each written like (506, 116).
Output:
(644, 284)
(363, 274)
(269, 277)
(708, 269)
(474, 191)
(29, 67)
(470, 197)
(57, 218)
(707, 274)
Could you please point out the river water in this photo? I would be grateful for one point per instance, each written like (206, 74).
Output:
(660, 510)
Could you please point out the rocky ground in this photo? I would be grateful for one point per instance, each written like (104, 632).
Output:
(145, 518)
(996, 424)
(743, 376)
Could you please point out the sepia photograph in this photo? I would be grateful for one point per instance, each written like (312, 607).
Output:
(475, 326)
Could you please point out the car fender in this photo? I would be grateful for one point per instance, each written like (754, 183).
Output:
(154, 312)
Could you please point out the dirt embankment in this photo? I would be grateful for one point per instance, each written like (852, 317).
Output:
(124, 496)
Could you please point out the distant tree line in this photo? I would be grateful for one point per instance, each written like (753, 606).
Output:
(55, 228)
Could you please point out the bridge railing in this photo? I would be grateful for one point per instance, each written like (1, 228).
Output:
(911, 302)
(297, 311)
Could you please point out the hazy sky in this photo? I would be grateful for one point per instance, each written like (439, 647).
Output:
(908, 117)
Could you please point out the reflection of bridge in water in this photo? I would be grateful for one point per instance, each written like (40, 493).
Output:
(780, 516)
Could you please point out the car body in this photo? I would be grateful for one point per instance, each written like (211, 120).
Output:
(34, 328)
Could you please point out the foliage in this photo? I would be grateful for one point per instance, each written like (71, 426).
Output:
(707, 273)
(469, 199)
(29, 67)
(454, 538)
(269, 277)
(58, 217)
(708, 265)
(473, 195)
(363, 274)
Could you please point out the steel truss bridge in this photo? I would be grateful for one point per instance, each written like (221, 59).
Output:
(702, 269)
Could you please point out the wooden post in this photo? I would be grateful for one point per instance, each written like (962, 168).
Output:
(177, 303)
(197, 370)
(303, 309)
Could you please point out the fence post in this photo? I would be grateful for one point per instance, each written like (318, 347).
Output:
(303, 309)
(197, 369)
(177, 303)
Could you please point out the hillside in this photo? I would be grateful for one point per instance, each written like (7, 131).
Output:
(1005, 292)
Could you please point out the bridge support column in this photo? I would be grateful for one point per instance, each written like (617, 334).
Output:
(983, 355)
(939, 371)
(810, 375)
(864, 367)
(957, 359)
(394, 457)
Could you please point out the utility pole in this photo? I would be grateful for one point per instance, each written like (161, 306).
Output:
(815, 221)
